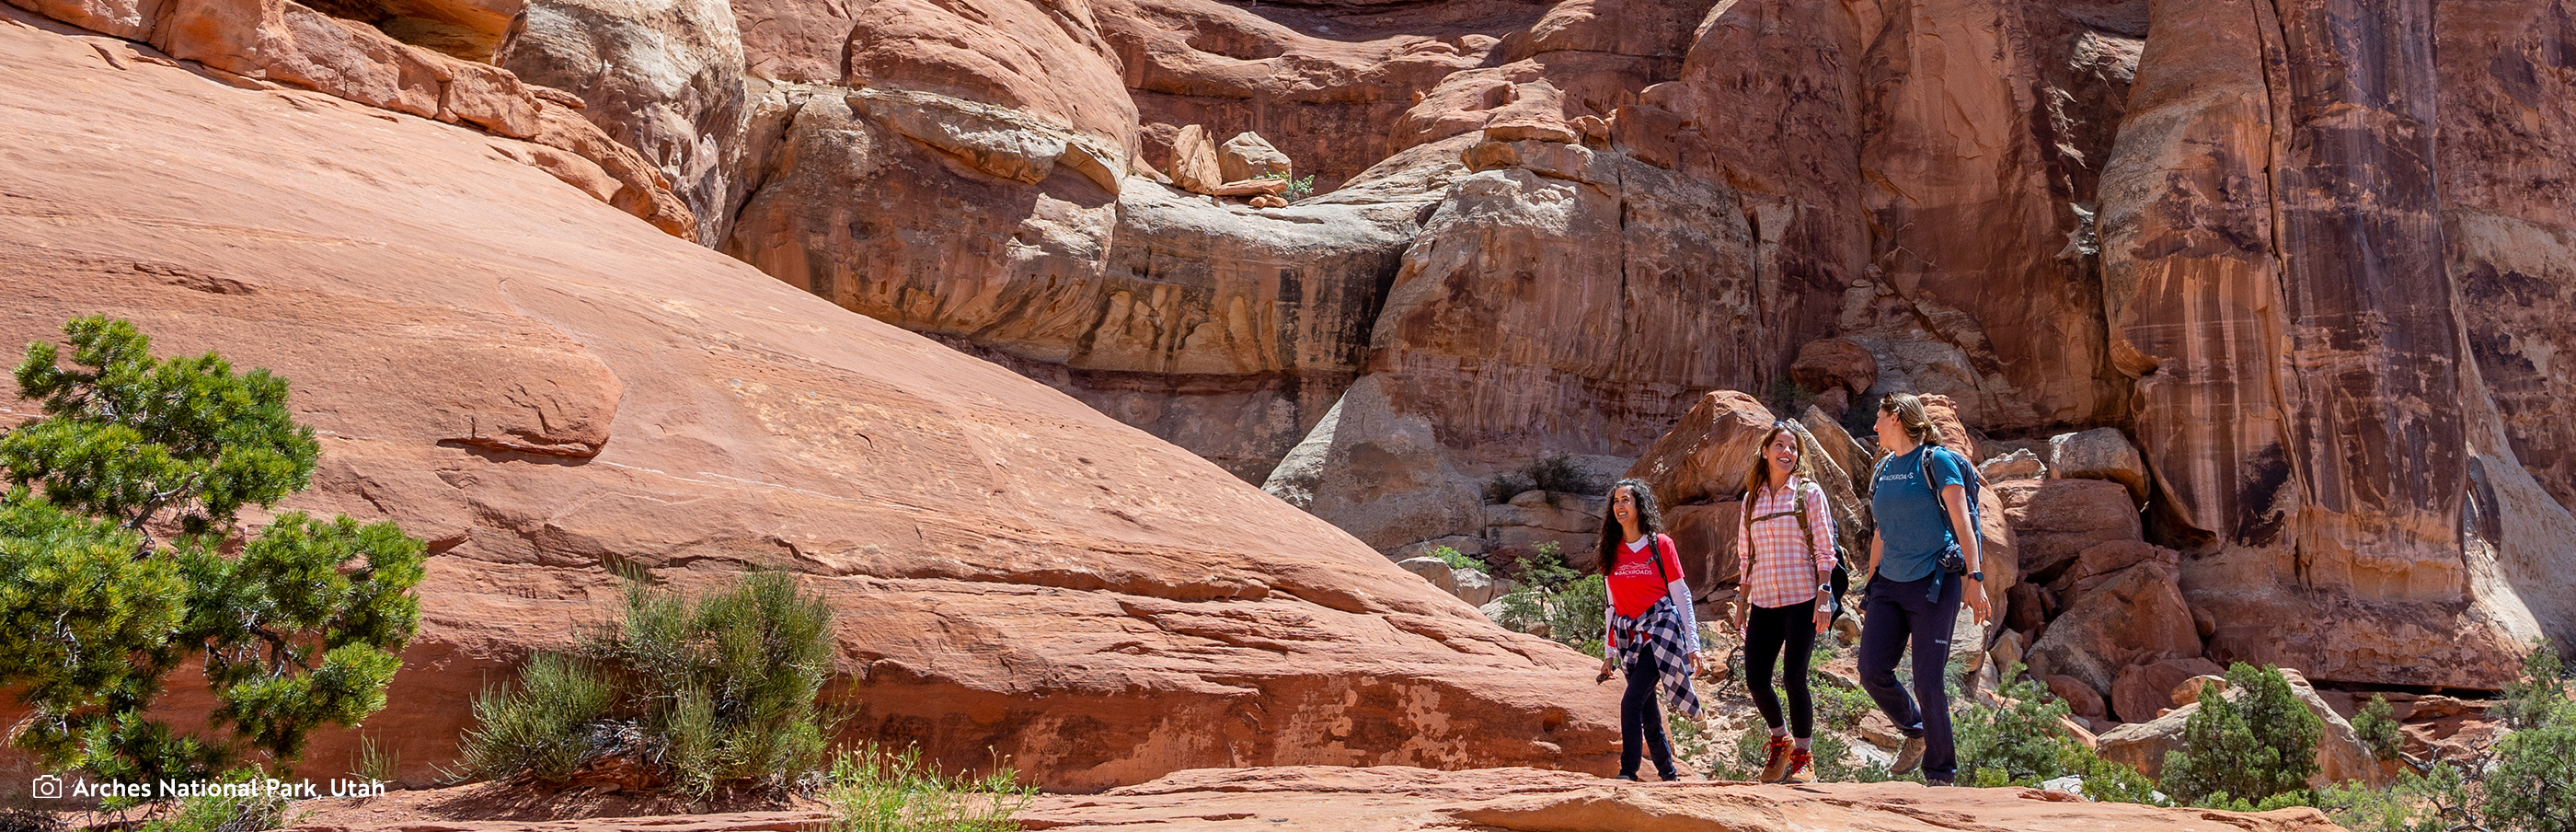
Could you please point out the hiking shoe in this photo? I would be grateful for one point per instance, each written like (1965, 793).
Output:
(1630, 778)
(1775, 762)
(1798, 760)
(1937, 782)
(1908, 757)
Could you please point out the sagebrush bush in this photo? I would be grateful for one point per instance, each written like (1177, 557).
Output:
(2255, 745)
(544, 727)
(719, 690)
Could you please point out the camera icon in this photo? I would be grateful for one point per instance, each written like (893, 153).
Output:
(49, 787)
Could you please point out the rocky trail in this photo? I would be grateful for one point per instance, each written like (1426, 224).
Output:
(1399, 799)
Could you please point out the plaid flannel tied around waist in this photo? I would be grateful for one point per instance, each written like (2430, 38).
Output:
(1661, 627)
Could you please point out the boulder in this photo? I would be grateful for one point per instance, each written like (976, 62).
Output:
(2008, 650)
(2143, 691)
(2143, 745)
(2133, 614)
(2026, 608)
(2100, 560)
(1704, 457)
(1829, 363)
(2079, 696)
(1248, 156)
(2099, 454)
(1194, 165)
(2054, 521)
(2191, 690)
(2018, 465)
(1433, 570)
(543, 388)
(1477, 588)
(1377, 474)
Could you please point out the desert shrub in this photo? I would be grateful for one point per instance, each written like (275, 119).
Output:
(2532, 785)
(1549, 594)
(1835, 762)
(2377, 726)
(2541, 690)
(1502, 487)
(2249, 748)
(716, 690)
(375, 762)
(1457, 559)
(545, 726)
(1838, 707)
(2438, 800)
(1299, 187)
(2110, 782)
(2019, 744)
(29, 820)
(224, 811)
(874, 791)
(292, 627)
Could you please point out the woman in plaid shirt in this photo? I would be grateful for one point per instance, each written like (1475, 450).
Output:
(1785, 564)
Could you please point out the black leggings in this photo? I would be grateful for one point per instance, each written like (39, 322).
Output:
(1772, 631)
(1641, 722)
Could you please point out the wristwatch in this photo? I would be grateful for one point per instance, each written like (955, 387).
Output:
(1827, 589)
(1977, 575)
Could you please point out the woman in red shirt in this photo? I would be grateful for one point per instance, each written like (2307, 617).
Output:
(1784, 560)
(1648, 627)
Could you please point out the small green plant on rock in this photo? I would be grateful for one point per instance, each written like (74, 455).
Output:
(1455, 559)
(1298, 187)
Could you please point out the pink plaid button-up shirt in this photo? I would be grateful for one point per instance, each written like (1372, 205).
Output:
(1777, 570)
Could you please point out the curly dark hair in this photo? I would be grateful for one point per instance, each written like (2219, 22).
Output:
(1648, 516)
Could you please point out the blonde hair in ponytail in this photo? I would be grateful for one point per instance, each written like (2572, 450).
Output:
(1909, 411)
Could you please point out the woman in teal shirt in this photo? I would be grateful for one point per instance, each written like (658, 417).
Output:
(1910, 598)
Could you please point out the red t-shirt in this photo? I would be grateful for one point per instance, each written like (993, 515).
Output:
(1634, 584)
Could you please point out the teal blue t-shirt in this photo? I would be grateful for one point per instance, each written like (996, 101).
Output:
(1911, 525)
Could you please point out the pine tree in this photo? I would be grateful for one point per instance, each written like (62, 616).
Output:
(297, 630)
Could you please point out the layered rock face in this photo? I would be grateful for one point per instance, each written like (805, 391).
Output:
(2281, 283)
(541, 387)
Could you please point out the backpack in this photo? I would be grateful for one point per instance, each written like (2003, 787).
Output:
(1841, 580)
(1970, 484)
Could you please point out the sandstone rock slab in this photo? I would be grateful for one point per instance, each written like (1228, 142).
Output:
(1074, 602)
